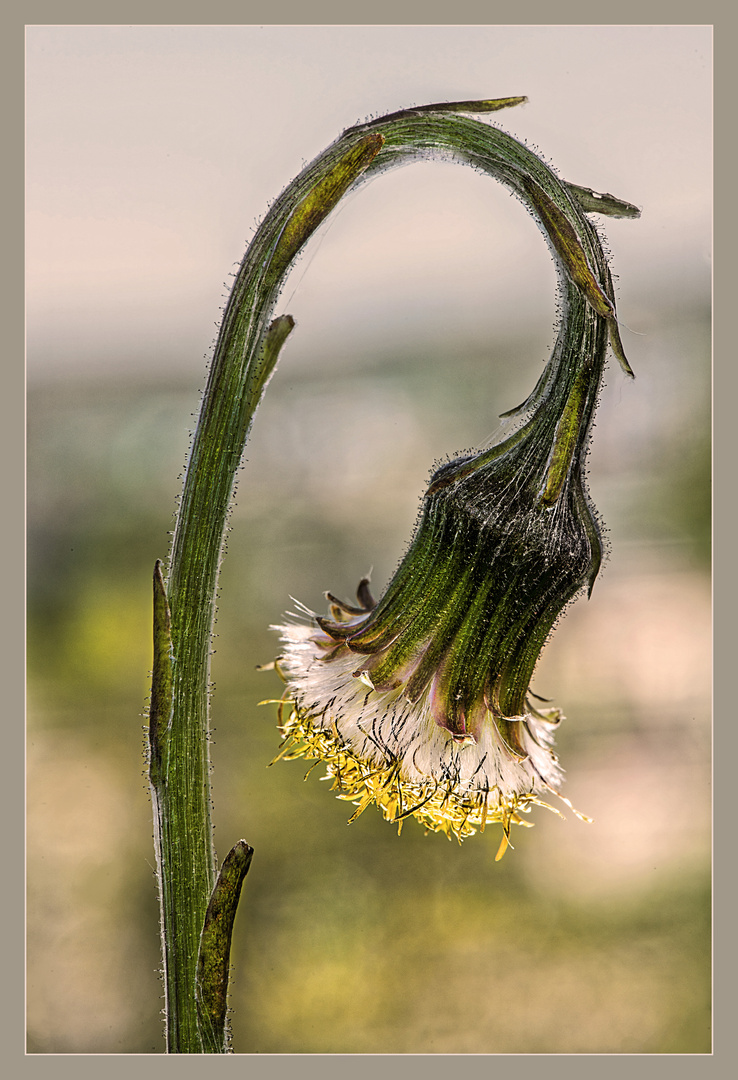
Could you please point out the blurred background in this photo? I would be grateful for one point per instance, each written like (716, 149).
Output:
(425, 307)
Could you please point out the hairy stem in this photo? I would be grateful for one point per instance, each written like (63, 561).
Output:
(244, 359)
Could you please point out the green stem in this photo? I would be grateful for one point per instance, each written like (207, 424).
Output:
(244, 359)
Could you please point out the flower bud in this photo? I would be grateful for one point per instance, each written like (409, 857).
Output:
(422, 702)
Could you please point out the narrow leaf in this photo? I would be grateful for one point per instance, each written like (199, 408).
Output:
(595, 202)
(566, 243)
(213, 962)
(160, 709)
(318, 203)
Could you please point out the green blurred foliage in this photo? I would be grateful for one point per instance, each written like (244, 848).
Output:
(349, 939)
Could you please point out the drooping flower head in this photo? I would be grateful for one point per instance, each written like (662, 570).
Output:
(421, 702)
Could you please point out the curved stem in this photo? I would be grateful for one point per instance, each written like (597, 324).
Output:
(243, 361)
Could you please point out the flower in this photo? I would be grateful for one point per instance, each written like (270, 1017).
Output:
(421, 703)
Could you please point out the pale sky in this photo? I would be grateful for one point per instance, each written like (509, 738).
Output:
(153, 151)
